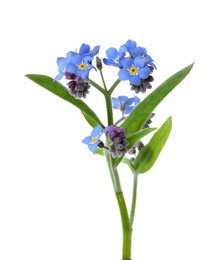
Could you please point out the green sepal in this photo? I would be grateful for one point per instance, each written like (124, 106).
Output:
(148, 154)
(136, 119)
(58, 89)
(99, 151)
(132, 139)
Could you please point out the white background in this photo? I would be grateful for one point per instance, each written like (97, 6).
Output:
(56, 197)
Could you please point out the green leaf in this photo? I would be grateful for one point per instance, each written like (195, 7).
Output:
(134, 122)
(58, 89)
(149, 153)
(132, 139)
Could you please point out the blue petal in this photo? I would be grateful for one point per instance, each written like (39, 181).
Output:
(96, 131)
(87, 59)
(136, 100)
(130, 45)
(112, 53)
(135, 80)
(71, 68)
(85, 48)
(139, 62)
(126, 62)
(61, 62)
(70, 55)
(129, 101)
(82, 73)
(123, 74)
(93, 147)
(108, 62)
(95, 50)
(128, 109)
(115, 102)
(122, 98)
(59, 76)
(144, 72)
(87, 140)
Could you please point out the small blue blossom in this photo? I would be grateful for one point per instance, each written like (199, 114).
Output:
(133, 70)
(85, 50)
(125, 104)
(94, 139)
(142, 52)
(130, 45)
(80, 65)
(114, 56)
(62, 63)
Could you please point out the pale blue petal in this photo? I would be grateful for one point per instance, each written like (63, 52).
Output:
(123, 74)
(87, 140)
(96, 130)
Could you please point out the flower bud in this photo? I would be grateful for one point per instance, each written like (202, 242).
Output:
(99, 63)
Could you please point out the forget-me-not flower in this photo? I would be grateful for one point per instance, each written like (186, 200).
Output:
(114, 56)
(94, 139)
(133, 70)
(125, 104)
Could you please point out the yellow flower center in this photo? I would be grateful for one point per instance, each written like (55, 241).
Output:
(82, 66)
(94, 139)
(133, 70)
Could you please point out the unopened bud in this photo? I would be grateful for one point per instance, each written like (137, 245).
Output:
(99, 63)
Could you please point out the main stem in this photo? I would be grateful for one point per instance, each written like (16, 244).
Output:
(126, 227)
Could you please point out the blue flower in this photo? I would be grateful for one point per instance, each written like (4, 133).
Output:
(125, 104)
(130, 45)
(80, 65)
(114, 56)
(94, 139)
(142, 52)
(62, 63)
(133, 70)
(85, 50)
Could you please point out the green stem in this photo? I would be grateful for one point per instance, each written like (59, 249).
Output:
(109, 108)
(126, 227)
(134, 196)
(104, 83)
(97, 86)
(127, 232)
(115, 84)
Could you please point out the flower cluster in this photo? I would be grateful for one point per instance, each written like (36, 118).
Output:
(76, 66)
(133, 62)
(135, 67)
(117, 136)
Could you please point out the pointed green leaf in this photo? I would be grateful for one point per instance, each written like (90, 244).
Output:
(142, 111)
(132, 139)
(58, 89)
(149, 153)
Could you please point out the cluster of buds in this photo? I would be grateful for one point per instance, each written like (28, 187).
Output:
(118, 144)
(138, 145)
(77, 86)
(144, 83)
